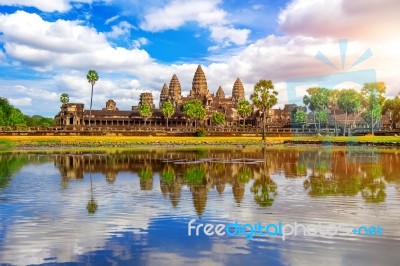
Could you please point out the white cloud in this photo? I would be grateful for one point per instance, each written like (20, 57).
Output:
(364, 19)
(178, 12)
(140, 42)
(227, 34)
(206, 13)
(46, 45)
(20, 101)
(112, 19)
(121, 29)
(46, 6)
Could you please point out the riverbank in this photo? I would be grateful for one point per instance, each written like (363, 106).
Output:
(68, 142)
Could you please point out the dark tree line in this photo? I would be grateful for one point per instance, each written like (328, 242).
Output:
(11, 116)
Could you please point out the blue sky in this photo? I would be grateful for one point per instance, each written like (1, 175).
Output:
(47, 47)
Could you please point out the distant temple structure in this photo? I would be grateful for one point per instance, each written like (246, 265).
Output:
(74, 114)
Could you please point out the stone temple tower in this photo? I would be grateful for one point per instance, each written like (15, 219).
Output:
(164, 94)
(146, 97)
(199, 84)
(237, 91)
(175, 91)
(220, 93)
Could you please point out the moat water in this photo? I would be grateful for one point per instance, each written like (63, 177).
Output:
(134, 207)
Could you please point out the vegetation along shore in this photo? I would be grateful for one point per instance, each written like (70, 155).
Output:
(43, 142)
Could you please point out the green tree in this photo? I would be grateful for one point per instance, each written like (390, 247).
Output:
(64, 98)
(372, 101)
(168, 110)
(145, 111)
(5, 112)
(392, 108)
(300, 117)
(264, 190)
(244, 109)
(194, 110)
(218, 118)
(9, 115)
(91, 206)
(317, 101)
(92, 77)
(264, 97)
(349, 102)
(333, 104)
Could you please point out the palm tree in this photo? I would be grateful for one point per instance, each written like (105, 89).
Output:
(264, 97)
(64, 98)
(91, 206)
(92, 77)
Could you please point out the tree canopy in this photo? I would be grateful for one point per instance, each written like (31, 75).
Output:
(244, 109)
(264, 97)
(218, 118)
(194, 110)
(11, 116)
(168, 110)
(64, 98)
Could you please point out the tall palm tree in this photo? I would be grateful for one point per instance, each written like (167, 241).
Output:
(92, 77)
(64, 98)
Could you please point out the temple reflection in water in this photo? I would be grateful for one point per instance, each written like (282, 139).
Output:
(325, 172)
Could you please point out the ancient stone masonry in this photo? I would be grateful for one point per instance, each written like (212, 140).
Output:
(175, 91)
(110, 116)
(111, 106)
(71, 114)
(164, 95)
(237, 91)
(220, 93)
(199, 84)
(146, 97)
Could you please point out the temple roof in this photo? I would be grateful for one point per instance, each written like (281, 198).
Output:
(199, 84)
(174, 86)
(238, 89)
(220, 92)
(164, 90)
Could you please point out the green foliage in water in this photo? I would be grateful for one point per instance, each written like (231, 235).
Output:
(168, 175)
(10, 164)
(195, 175)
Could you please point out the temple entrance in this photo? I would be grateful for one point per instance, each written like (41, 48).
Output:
(71, 121)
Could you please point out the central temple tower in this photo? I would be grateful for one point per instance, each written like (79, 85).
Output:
(199, 84)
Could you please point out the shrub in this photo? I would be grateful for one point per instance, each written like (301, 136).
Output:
(201, 132)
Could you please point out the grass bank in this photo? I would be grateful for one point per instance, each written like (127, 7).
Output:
(37, 142)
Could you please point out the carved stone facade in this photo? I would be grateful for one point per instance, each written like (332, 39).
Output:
(146, 97)
(71, 114)
(111, 106)
(110, 116)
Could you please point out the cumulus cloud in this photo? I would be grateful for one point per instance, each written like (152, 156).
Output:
(206, 13)
(46, 6)
(121, 29)
(45, 45)
(140, 42)
(363, 19)
(227, 34)
(20, 101)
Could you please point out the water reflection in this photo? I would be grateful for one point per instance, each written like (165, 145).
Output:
(326, 173)
(133, 206)
(348, 173)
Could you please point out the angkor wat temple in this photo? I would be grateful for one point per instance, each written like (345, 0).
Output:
(74, 115)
